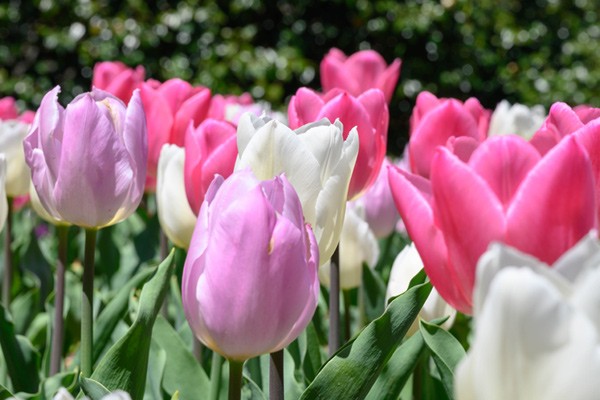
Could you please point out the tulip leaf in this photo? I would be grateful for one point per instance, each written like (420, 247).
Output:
(125, 364)
(156, 370)
(93, 389)
(67, 380)
(398, 369)
(5, 393)
(312, 358)
(446, 351)
(182, 372)
(24, 309)
(372, 292)
(353, 370)
(20, 358)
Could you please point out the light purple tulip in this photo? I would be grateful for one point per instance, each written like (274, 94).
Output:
(88, 160)
(250, 283)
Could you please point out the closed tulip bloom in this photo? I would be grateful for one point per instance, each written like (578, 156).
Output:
(537, 330)
(363, 70)
(434, 121)
(358, 245)
(174, 213)
(407, 264)
(117, 78)
(378, 205)
(13, 129)
(367, 112)
(170, 107)
(3, 201)
(210, 149)
(250, 282)
(561, 122)
(315, 159)
(88, 161)
(8, 108)
(516, 119)
(506, 192)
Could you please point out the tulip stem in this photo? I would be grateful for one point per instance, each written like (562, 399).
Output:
(59, 301)
(216, 370)
(347, 316)
(197, 350)
(334, 303)
(164, 252)
(87, 303)
(8, 267)
(235, 379)
(276, 376)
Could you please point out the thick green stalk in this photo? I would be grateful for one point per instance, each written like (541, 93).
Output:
(235, 379)
(87, 302)
(276, 388)
(59, 301)
(216, 370)
(347, 316)
(8, 267)
(334, 303)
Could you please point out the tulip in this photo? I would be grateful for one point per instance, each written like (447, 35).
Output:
(358, 245)
(506, 193)
(434, 121)
(170, 107)
(176, 217)
(587, 113)
(210, 149)
(117, 79)
(406, 265)
(315, 159)
(367, 112)
(3, 201)
(516, 119)
(537, 333)
(220, 104)
(8, 108)
(378, 205)
(250, 282)
(63, 394)
(363, 70)
(562, 121)
(13, 129)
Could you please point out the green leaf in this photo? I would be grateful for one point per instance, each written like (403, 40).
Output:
(93, 389)
(5, 393)
(156, 370)
(182, 372)
(398, 369)
(51, 385)
(446, 351)
(125, 364)
(24, 308)
(20, 358)
(312, 358)
(351, 372)
(373, 293)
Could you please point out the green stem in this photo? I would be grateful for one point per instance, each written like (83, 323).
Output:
(334, 303)
(87, 302)
(216, 370)
(347, 317)
(276, 389)
(164, 252)
(59, 301)
(235, 379)
(8, 267)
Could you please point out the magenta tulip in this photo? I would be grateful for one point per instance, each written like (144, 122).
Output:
(88, 161)
(211, 149)
(117, 78)
(434, 121)
(220, 104)
(507, 193)
(8, 108)
(363, 70)
(250, 283)
(367, 112)
(170, 107)
(562, 121)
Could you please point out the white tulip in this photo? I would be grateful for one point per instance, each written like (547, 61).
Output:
(537, 329)
(18, 175)
(175, 215)
(63, 394)
(406, 265)
(3, 201)
(516, 119)
(315, 159)
(358, 245)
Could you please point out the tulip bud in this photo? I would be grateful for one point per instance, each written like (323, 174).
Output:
(88, 161)
(250, 282)
(13, 130)
(174, 213)
(117, 79)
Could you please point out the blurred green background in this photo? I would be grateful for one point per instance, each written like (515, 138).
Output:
(537, 51)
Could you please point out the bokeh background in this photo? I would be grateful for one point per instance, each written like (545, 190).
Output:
(533, 52)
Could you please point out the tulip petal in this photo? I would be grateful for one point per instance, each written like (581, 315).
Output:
(304, 108)
(193, 109)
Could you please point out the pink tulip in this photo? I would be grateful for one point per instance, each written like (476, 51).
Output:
(170, 107)
(220, 103)
(88, 161)
(368, 112)
(363, 70)
(434, 121)
(507, 193)
(562, 121)
(8, 108)
(211, 149)
(117, 78)
(250, 283)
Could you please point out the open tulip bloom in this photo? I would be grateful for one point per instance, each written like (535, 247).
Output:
(537, 330)
(505, 192)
